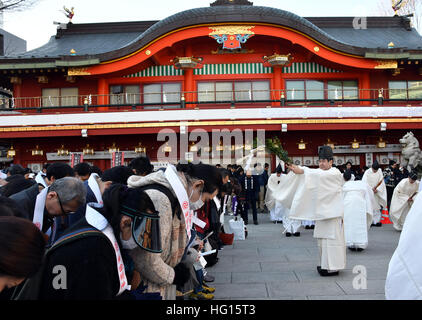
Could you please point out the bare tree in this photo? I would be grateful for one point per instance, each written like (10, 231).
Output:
(16, 5)
(385, 8)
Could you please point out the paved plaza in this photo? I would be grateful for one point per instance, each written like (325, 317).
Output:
(270, 266)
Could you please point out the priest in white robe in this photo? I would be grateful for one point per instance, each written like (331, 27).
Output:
(275, 207)
(375, 179)
(402, 200)
(316, 194)
(404, 276)
(357, 197)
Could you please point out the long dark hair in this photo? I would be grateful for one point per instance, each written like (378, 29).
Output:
(22, 247)
(118, 195)
(210, 174)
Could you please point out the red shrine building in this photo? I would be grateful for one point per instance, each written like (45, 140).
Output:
(354, 84)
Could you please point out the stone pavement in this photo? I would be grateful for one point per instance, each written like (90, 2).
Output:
(270, 266)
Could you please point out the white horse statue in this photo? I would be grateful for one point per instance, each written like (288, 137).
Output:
(411, 152)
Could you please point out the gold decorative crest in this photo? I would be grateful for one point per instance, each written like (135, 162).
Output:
(386, 64)
(231, 30)
(78, 72)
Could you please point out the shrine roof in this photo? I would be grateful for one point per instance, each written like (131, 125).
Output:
(112, 40)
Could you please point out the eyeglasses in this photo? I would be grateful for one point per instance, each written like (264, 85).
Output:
(61, 206)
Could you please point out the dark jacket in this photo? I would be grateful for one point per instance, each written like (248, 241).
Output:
(251, 188)
(91, 269)
(80, 213)
(88, 266)
(263, 178)
(25, 200)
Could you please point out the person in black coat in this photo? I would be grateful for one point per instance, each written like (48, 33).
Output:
(250, 188)
(90, 262)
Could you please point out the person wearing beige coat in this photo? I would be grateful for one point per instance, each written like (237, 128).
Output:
(159, 271)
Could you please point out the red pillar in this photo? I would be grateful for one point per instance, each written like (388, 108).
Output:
(17, 93)
(189, 84)
(365, 86)
(276, 92)
(103, 92)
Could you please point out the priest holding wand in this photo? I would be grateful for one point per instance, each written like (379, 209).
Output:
(316, 194)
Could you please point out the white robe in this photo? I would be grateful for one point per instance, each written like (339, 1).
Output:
(400, 205)
(317, 195)
(404, 276)
(308, 223)
(380, 198)
(290, 225)
(270, 202)
(277, 211)
(314, 195)
(358, 212)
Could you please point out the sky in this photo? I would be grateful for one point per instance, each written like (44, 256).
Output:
(35, 25)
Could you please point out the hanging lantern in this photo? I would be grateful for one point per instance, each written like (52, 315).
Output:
(220, 147)
(62, 151)
(301, 145)
(186, 62)
(278, 60)
(88, 150)
(11, 152)
(113, 148)
(193, 147)
(166, 148)
(140, 148)
(37, 151)
(355, 144)
(381, 143)
(330, 144)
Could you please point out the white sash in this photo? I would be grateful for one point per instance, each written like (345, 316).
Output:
(97, 220)
(40, 179)
(181, 195)
(218, 205)
(39, 208)
(3, 175)
(93, 184)
(217, 202)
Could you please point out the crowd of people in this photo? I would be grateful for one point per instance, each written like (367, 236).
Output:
(126, 233)
(134, 233)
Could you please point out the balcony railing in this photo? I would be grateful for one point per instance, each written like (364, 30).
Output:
(212, 99)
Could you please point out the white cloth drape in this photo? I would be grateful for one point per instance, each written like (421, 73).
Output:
(404, 277)
(357, 213)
